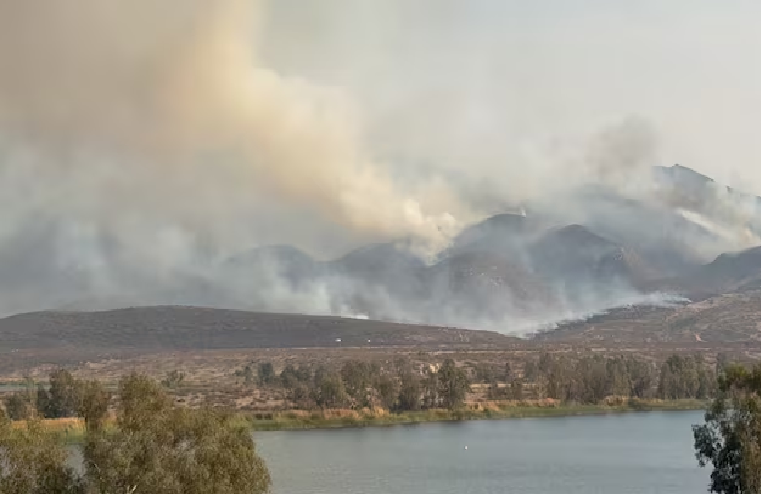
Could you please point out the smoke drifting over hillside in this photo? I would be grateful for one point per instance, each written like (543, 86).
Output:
(142, 143)
(158, 94)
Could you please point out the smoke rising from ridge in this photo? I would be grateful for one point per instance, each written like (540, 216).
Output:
(174, 92)
(143, 141)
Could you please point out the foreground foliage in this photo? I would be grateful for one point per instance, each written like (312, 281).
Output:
(153, 448)
(33, 461)
(730, 439)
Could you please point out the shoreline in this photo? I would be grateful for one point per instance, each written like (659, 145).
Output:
(72, 430)
(289, 421)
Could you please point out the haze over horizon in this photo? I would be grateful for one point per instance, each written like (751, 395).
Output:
(140, 142)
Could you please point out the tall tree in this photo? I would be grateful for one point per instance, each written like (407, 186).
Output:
(157, 448)
(18, 406)
(356, 376)
(266, 373)
(64, 395)
(453, 384)
(409, 392)
(730, 438)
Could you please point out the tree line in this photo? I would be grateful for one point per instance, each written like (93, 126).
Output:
(357, 384)
(401, 386)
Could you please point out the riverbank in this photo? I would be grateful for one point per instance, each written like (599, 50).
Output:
(72, 430)
(339, 419)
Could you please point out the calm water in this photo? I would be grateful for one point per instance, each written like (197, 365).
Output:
(633, 453)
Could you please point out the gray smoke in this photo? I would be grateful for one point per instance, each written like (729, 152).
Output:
(142, 144)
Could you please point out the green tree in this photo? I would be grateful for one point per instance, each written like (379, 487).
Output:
(266, 374)
(93, 406)
(288, 377)
(508, 372)
(730, 438)
(409, 392)
(531, 371)
(157, 448)
(329, 391)
(356, 376)
(453, 384)
(592, 376)
(64, 395)
(685, 377)
(18, 406)
(641, 376)
(173, 379)
(247, 374)
(43, 401)
(485, 374)
(619, 377)
(388, 391)
(33, 461)
(516, 389)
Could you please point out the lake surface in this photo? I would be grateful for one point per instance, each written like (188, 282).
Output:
(617, 454)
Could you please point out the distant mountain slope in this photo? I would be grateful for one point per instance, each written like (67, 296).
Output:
(732, 318)
(590, 248)
(288, 262)
(499, 234)
(727, 273)
(193, 328)
(478, 286)
(387, 265)
(575, 255)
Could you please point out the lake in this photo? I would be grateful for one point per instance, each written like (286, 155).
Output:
(615, 454)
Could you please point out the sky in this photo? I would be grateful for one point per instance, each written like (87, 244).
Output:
(501, 84)
(332, 123)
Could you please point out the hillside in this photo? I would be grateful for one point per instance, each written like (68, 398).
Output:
(727, 273)
(725, 319)
(592, 248)
(159, 329)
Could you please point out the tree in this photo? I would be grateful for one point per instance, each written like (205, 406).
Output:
(247, 374)
(43, 401)
(388, 391)
(593, 380)
(430, 388)
(685, 377)
(641, 375)
(173, 379)
(18, 406)
(730, 438)
(409, 392)
(485, 374)
(516, 389)
(288, 377)
(508, 372)
(157, 448)
(33, 461)
(64, 395)
(266, 374)
(93, 406)
(453, 385)
(329, 391)
(356, 376)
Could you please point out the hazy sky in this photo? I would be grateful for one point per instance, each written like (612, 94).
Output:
(318, 119)
(494, 83)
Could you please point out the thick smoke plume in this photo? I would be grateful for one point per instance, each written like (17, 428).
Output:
(168, 109)
(145, 145)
